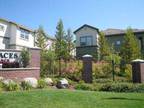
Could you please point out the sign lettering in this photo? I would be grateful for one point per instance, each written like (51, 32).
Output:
(9, 55)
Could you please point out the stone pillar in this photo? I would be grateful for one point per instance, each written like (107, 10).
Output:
(87, 68)
(35, 57)
(138, 71)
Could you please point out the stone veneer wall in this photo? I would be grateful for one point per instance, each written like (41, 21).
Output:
(19, 73)
(35, 57)
(33, 70)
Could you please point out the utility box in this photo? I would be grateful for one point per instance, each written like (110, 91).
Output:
(138, 71)
(87, 68)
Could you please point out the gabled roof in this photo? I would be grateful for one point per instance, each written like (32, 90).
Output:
(21, 26)
(86, 25)
(111, 31)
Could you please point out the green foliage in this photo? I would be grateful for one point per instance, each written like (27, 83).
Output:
(102, 80)
(115, 57)
(60, 44)
(59, 48)
(41, 38)
(41, 83)
(116, 87)
(11, 86)
(69, 41)
(84, 86)
(138, 88)
(128, 72)
(25, 57)
(1, 86)
(48, 63)
(130, 49)
(25, 85)
(104, 48)
(111, 87)
(102, 70)
(74, 71)
(48, 57)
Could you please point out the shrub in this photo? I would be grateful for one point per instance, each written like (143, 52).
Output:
(84, 86)
(73, 71)
(42, 83)
(1, 86)
(111, 87)
(26, 85)
(11, 86)
(25, 57)
(128, 71)
(71, 82)
(102, 80)
(117, 87)
(138, 88)
(102, 70)
(90, 87)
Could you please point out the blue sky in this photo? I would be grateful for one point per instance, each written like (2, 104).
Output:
(102, 14)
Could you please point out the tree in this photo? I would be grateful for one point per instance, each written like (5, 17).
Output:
(104, 49)
(41, 38)
(41, 41)
(130, 49)
(69, 40)
(60, 43)
(25, 57)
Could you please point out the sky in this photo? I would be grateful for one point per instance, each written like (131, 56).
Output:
(102, 14)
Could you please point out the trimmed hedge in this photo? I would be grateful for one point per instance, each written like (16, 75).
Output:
(111, 87)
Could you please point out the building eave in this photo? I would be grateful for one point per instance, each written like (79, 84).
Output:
(86, 25)
(18, 25)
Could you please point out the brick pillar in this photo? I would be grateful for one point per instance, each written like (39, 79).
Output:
(138, 71)
(87, 68)
(35, 57)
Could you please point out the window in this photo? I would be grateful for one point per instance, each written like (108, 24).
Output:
(24, 34)
(118, 42)
(1, 28)
(86, 41)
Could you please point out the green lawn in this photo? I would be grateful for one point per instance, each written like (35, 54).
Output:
(70, 99)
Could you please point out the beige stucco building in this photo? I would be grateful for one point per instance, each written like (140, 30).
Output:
(15, 36)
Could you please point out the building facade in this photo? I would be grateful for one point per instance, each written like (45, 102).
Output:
(15, 36)
(115, 37)
(87, 39)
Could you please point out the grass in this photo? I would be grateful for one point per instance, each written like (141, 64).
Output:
(70, 99)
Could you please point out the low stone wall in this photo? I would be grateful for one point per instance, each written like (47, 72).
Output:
(33, 69)
(19, 73)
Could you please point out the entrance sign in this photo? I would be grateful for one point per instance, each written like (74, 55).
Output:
(9, 55)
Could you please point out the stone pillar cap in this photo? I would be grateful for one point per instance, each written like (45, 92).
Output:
(138, 60)
(87, 55)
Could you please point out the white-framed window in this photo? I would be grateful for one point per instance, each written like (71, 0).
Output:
(118, 42)
(86, 41)
(24, 34)
(2, 28)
